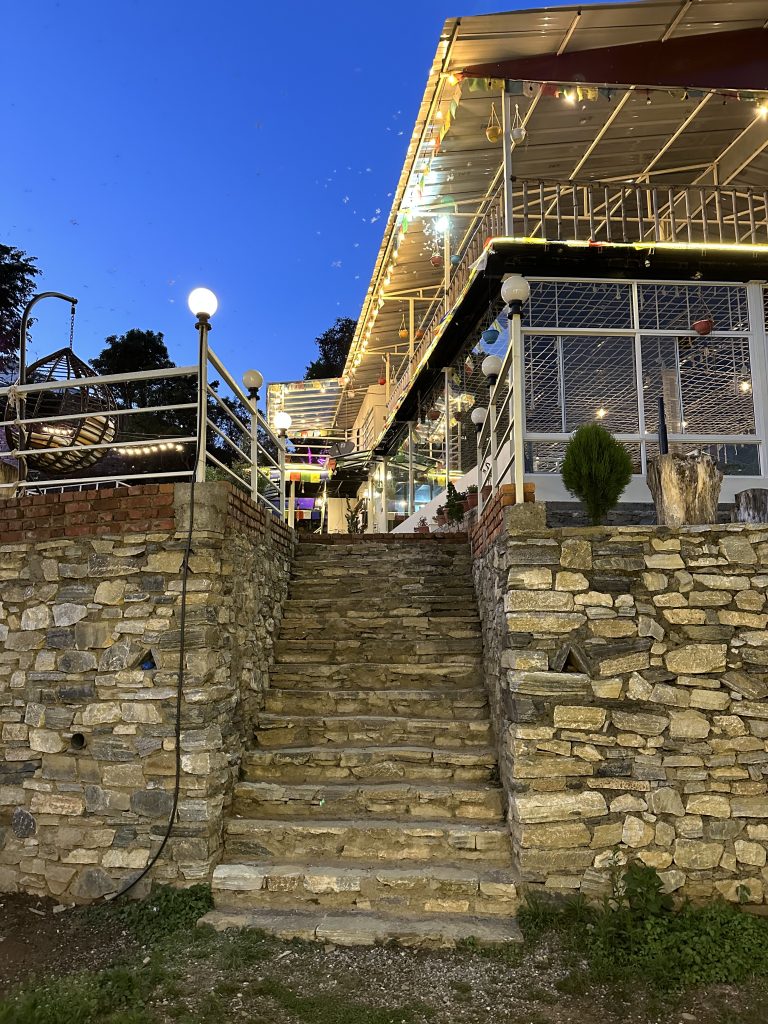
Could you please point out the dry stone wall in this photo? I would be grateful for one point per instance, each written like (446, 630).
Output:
(89, 657)
(627, 673)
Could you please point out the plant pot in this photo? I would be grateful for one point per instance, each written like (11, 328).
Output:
(486, 493)
(436, 259)
(471, 501)
(441, 519)
(703, 326)
(490, 337)
(493, 132)
(421, 529)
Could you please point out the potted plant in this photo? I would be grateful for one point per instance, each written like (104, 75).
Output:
(440, 517)
(422, 527)
(472, 496)
(596, 469)
(454, 510)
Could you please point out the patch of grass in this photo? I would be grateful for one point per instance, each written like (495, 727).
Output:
(326, 1009)
(637, 934)
(509, 953)
(116, 996)
(245, 948)
(167, 911)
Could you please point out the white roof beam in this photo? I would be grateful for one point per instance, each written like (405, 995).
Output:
(676, 135)
(571, 29)
(738, 154)
(596, 141)
(681, 13)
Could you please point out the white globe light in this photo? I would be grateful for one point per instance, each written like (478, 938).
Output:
(202, 302)
(515, 289)
(253, 380)
(478, 415)
(491, 366)
(283, 421)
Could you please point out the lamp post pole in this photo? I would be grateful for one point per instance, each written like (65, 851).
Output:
(516, 291)
(203, 303)
(253, 381)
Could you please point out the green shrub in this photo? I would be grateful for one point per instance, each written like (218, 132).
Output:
(596, 469)
(454, 510)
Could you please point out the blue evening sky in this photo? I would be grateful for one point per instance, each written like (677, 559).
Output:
(155, 145)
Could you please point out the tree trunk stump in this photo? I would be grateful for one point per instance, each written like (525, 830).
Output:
(751, 506)
(685, 488)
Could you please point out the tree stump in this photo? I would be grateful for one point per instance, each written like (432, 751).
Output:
(751, 506)
(685, 488)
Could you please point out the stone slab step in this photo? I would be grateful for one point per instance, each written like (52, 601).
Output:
(378, 589)
(335, 651)
(375, 676)
(381, 604)
(371, 730)
(424, 627)
(360, 929)
(340, 764)
(434, 889)
(373, 840)
(383, 800)
(464, 704)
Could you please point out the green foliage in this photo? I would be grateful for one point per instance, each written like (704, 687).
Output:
(334, 346)
(354, 516)
(453, 508)
(322, 1010)
(17, 286)
(637, 936)
(596, 469)
(166, 912)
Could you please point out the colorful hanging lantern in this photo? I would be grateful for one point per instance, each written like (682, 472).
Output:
(493, 128)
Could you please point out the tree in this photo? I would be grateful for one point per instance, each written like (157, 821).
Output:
(17, 286)
(596, 469)
(333, 345)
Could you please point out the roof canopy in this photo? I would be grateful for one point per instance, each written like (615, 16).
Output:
(672, 108)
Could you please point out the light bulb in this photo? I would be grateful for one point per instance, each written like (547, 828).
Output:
(745, 386)
(253, 380)
(283, 421)
(202, 302)
(478, 415)
(515, 288)
(601, 413)
(490, 367)
(442, 224)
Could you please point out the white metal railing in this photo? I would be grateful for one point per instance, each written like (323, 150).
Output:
(489, 224)
(608, 212)
(212, 427)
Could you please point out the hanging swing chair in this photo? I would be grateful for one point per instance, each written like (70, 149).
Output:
(84, 409)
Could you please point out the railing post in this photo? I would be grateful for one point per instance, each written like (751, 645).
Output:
(518, 402)
(411, 479)
(254, 411)
(447, 400)
(203, 326)
(281, 485)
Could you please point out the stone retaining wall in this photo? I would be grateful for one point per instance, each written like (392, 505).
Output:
(627, 672)
(90, 591)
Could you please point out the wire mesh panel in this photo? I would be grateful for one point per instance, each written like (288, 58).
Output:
(579, 304)
(599, 383)
(677, 307)
(547, 456)
(543, 384)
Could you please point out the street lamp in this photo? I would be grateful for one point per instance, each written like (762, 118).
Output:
(491, 366)
(478, 416)
(283, 423)
(253, 380)
(516, 291)
(203, 304)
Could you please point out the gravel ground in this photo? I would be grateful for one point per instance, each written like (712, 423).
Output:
(242, 977)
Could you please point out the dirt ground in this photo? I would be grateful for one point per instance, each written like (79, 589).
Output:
(205, 978)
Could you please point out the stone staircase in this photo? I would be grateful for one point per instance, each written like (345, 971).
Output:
(369, 809)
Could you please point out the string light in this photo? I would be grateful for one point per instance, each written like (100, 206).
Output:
(601, 413)
(150, 449)
(58, 431)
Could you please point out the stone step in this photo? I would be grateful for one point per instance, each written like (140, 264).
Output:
(463, 704)
(373, 676)
(371, 730)
(340, 764)
(341, 650)
(422, 627)
(395, 575)
(381, 800)
(434, 889)
(362, 929)
(382, 604)
(426, 548)
(375, 840)
(382, 589)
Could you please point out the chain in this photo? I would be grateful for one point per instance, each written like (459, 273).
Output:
(72, 327)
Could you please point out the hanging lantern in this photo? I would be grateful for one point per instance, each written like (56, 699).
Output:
(86, 407)
(403, 332)
(517, 131)
(493, 129)
(703, 326)
(436, 259)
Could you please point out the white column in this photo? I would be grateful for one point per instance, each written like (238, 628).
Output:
(518, 402)
(758, 359)
(507, 116)
(447, 401)
(411, 481)
(202, 399)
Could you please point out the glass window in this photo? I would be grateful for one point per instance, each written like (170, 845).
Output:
(600, 383)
